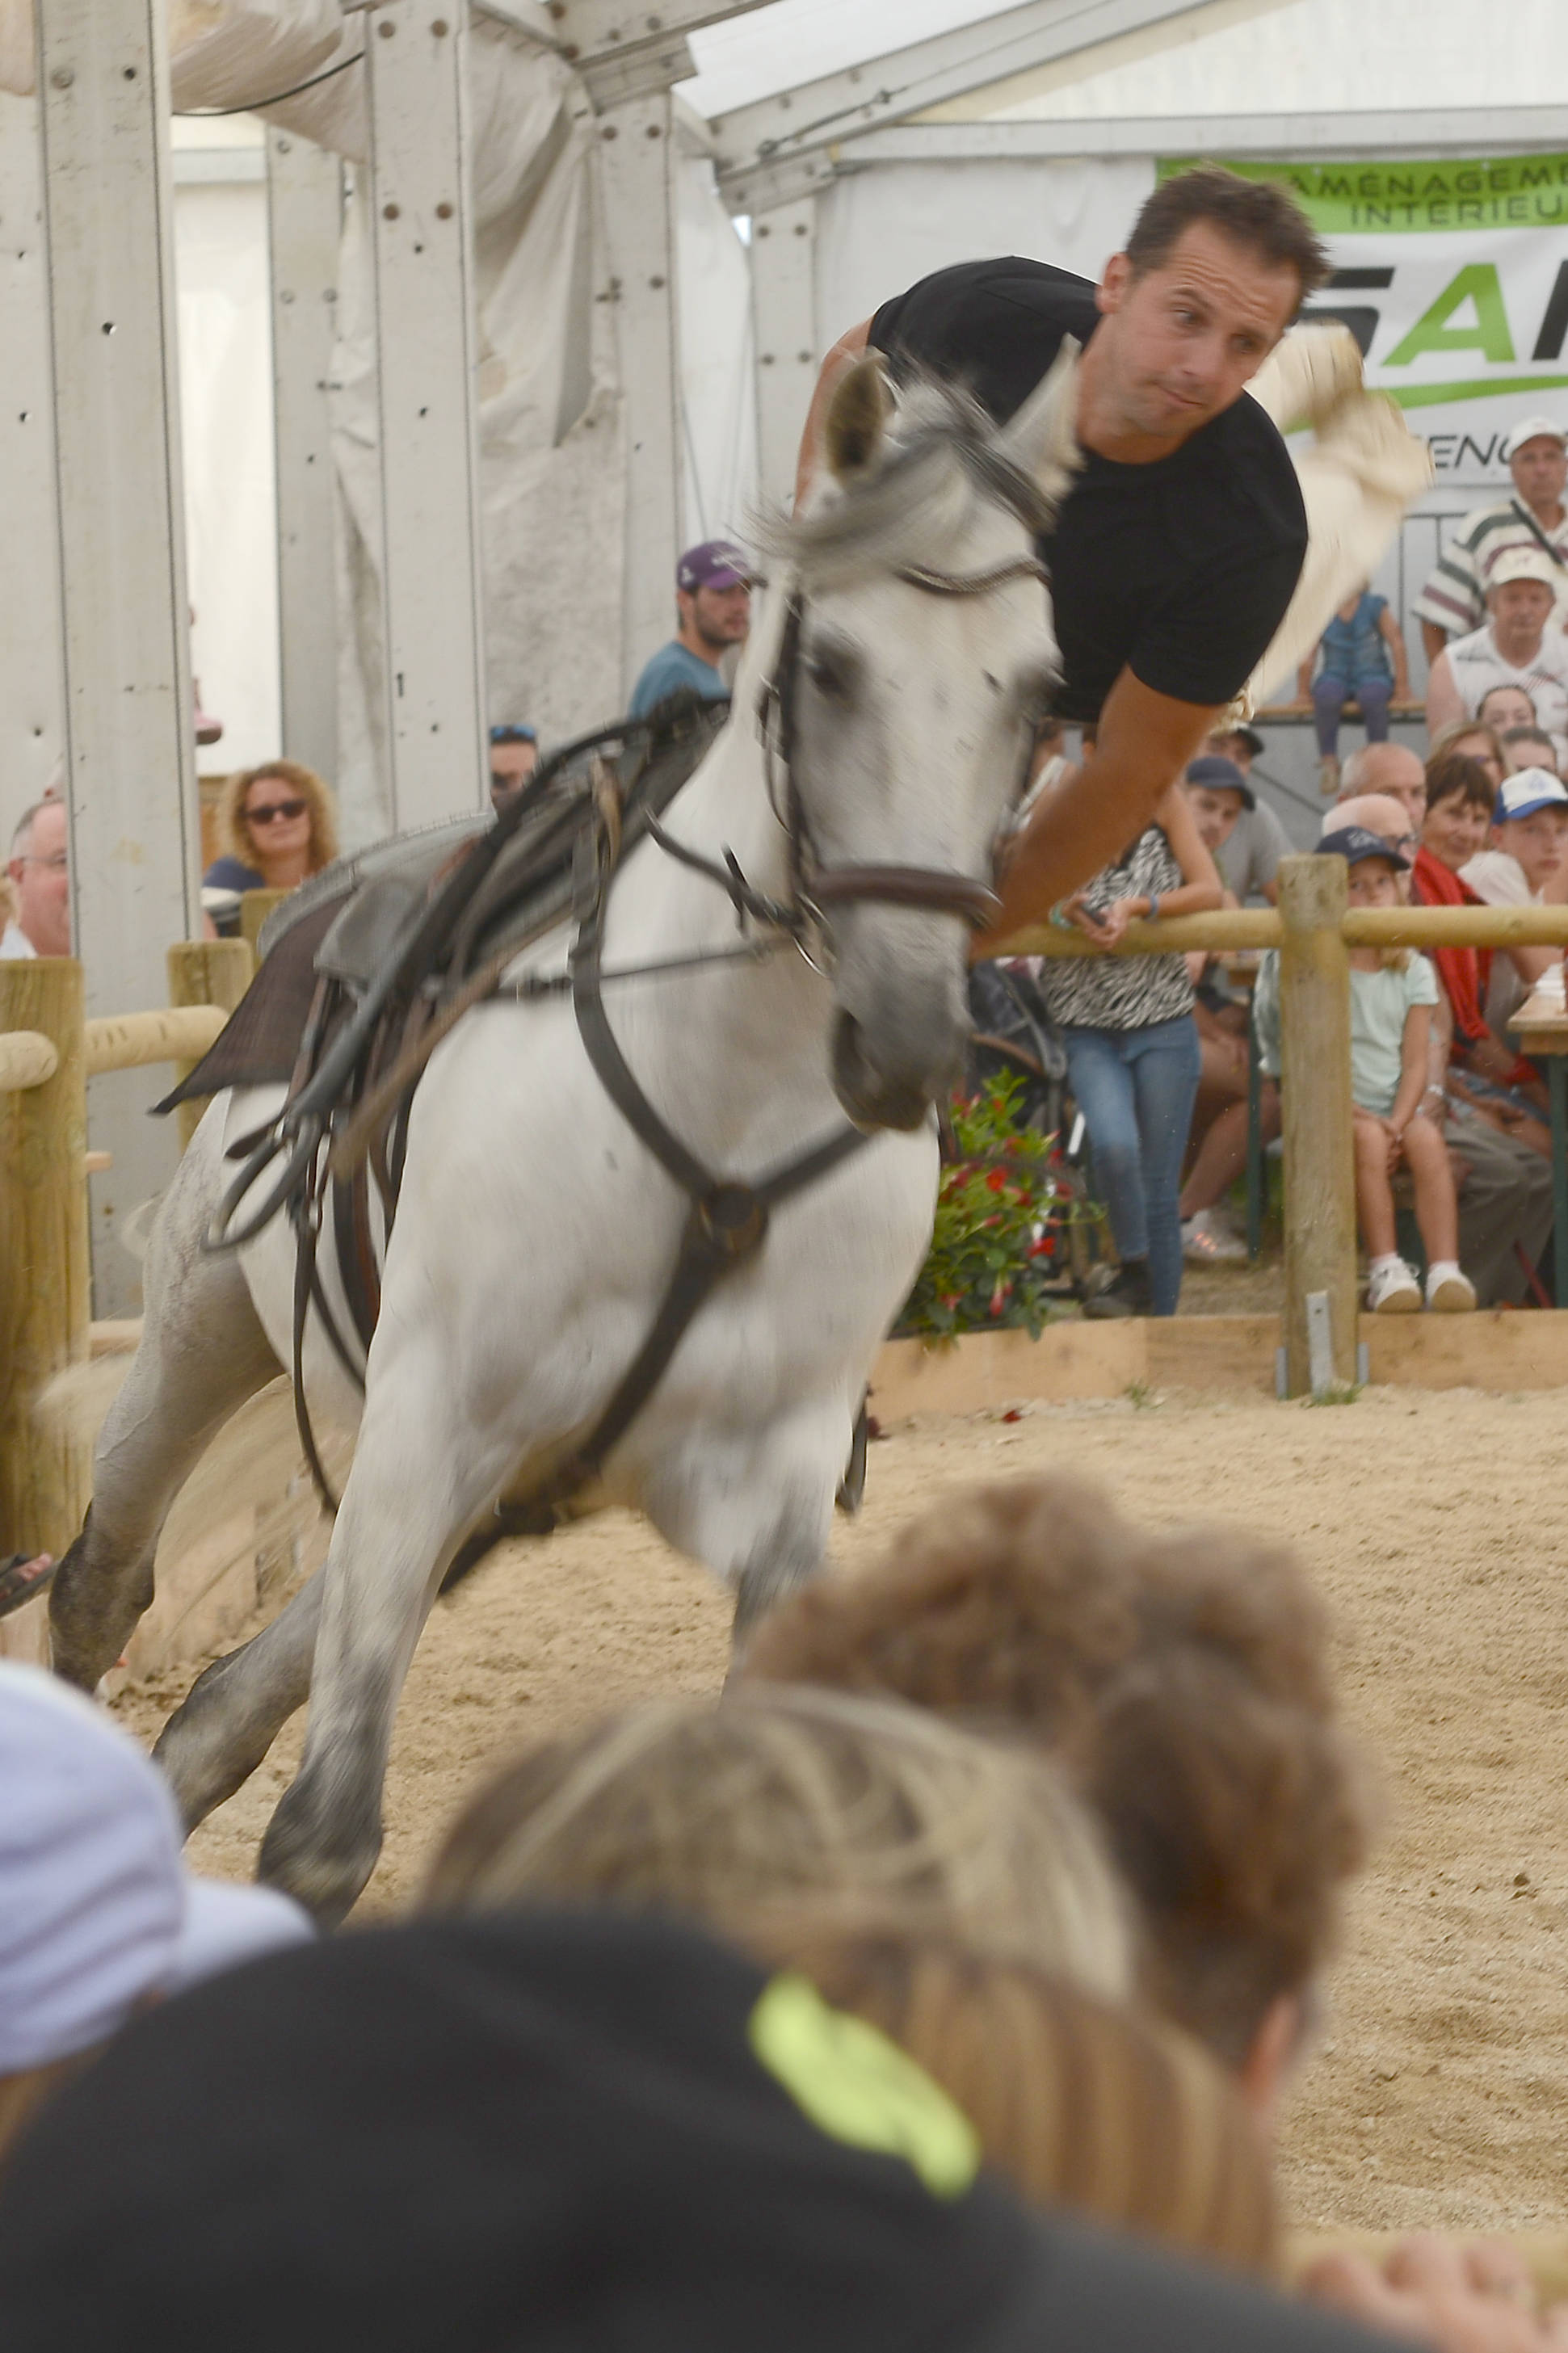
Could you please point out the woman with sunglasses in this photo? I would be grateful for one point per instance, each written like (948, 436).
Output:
(277, 826)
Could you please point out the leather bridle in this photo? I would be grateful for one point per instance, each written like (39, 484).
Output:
(816, 888)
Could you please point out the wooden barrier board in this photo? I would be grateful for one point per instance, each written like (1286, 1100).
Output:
(1499, 1349)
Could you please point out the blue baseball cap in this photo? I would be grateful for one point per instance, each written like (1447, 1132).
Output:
(1527, 790)
(1217, 775)
(1355, 844)
(714, 564)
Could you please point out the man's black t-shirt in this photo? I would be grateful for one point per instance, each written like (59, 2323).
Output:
(1181, 570)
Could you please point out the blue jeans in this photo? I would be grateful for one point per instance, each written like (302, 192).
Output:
(1136, 1089)
(1329, 696)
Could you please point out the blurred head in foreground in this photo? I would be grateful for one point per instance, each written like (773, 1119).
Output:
(98, 1915)
(1076, 2102)
(869, 1810)
(1183, 1682)
(549, 2132)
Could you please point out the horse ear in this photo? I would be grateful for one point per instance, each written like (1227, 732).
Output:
(1041, 439)
(857, 420)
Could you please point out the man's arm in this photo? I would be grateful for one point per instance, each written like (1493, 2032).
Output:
(1145, 741)
(1445, 705)
(850, 346)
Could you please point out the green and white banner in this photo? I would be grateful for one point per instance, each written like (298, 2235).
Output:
(1453, 276)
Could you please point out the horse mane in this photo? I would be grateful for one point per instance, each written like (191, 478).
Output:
(942, 464)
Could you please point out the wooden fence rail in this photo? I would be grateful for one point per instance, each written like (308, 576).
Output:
(1314, 931)
(47, 1053)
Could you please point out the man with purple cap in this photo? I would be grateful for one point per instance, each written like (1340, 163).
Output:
(713, 594)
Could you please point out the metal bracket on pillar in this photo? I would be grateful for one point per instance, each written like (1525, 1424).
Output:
(784, 315)
(104, 91)
(422, 248)
(304, 202)
(637, 159)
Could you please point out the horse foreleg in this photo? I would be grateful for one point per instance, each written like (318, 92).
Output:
(757, 1506)
(420, 1474)
(202, 1353)
(236, 1707)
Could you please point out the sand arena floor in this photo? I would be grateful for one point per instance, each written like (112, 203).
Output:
(1438, 1526)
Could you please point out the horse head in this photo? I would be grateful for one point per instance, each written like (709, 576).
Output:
(914, 658)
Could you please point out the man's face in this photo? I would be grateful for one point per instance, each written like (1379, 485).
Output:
(1215, 808)
(510, 765)
(1234, 748)
(1539, 468)
(1455, 830)
(1539, 842)
(1187, 337)
(1373, 882)
(1520, 609)
(1395, 770)
(42, 878)
(720, 618)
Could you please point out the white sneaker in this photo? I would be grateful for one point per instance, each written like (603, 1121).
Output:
(1205, 1244)
(1449, 1292)
(1394, 1290)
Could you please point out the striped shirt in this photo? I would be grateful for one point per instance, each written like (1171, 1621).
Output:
(1477, 666)
(1106, 992)
(1454, 597)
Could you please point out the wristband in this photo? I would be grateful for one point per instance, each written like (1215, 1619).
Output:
(1153, 907)
(1061, 922)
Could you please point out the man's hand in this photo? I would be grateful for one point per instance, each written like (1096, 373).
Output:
(1145, 741)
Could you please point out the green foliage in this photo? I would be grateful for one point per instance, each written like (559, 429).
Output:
(1140, 1397)
(1000, 1236)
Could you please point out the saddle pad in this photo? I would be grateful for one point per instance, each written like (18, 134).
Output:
(259, 1043)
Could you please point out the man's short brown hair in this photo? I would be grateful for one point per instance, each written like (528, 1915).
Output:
(1257, 213)
(1183, 1679)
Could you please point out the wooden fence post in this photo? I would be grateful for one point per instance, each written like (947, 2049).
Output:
(1315, 1088)
(206, 972)
(255, 906)
(43, 1261)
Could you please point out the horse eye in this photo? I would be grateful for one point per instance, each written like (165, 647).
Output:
(832, 672)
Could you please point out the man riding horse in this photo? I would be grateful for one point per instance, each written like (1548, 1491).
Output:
(1179, 544)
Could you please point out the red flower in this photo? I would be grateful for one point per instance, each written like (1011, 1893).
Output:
(997, 1179)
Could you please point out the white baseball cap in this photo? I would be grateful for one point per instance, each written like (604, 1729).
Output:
(97, 1909)
(1535, 428)
(1524, 564)
(1527, 790)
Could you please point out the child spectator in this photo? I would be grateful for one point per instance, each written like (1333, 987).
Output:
(864, 1810)
(1362, 659)
(1392, 991)
(97, 1915)
(1184, 1682)
(1529, 748)
(1527, 858)
(1469, 740)
(1503, 707)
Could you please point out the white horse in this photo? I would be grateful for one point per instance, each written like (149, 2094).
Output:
(535, 1231)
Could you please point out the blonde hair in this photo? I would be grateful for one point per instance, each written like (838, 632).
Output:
(869, 1810)
(1076, 2103)
(1455, 732)
(235, 834)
